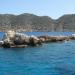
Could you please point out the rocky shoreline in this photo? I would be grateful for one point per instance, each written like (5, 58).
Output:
(12, 39)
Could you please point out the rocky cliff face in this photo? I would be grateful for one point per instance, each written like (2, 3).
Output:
(30, 22)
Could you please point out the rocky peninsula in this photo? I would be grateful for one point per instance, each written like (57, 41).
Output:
(12, 39)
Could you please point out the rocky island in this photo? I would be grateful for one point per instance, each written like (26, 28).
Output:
(12, 39)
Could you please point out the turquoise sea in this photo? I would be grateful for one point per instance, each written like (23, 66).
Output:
(48, 59)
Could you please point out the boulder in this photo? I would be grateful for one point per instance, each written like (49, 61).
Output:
(34, 41)
(6, 43)
(72, 37)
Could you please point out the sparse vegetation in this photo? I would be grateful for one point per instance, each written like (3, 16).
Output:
(30, 22)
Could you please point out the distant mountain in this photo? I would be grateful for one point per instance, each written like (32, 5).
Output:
(31, 22)
(66, 23)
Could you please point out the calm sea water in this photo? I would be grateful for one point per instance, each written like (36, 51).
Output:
(48, 59)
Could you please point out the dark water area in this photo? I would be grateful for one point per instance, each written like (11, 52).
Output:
(48, 59)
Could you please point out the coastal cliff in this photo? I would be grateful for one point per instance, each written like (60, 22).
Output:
(30, 22)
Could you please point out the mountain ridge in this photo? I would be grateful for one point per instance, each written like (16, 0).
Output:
(31, 22)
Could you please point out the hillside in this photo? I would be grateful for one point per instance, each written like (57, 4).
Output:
(66, 23)
(30, 22)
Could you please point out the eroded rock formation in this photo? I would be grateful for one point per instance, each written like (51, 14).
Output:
(14, 39)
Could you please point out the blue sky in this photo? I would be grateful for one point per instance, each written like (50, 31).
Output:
(52, 8)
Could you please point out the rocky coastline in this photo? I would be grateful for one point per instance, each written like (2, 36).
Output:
(12, 39)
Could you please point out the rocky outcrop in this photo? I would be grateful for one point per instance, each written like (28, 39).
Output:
(14, 39)
(54, 38)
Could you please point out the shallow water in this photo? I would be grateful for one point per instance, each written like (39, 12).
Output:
(48, 59)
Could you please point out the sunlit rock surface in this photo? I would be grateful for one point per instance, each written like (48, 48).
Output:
(14, 39)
